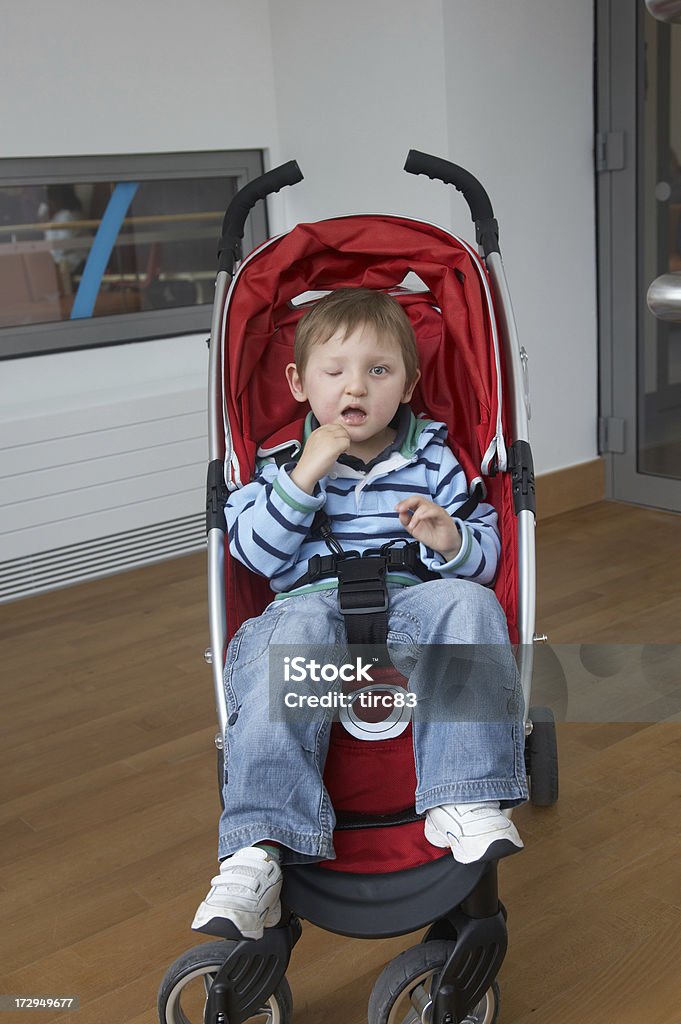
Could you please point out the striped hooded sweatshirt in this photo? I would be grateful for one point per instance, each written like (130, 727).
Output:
(269, 520)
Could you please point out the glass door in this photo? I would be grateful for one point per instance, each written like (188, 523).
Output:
(659, 436)
(639, 192)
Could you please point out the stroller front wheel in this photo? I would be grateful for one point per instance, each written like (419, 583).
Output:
(402, 993)
(184, 990)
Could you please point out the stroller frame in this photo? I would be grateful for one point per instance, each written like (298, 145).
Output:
(520, 464)
(467, 943)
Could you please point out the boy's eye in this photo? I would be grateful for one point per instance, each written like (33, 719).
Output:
(333, 373)
(378, 371)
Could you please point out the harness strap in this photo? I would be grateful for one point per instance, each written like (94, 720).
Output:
(363, 599)
(321, 567)
(362, 586)
(348, 820)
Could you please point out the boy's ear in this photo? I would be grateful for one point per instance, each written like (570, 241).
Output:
(408, 392)
(295, 383)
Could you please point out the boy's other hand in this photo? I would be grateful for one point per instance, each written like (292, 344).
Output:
(321, 450)
(430, 524)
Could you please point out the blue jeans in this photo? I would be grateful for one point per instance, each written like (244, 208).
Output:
(468, 725)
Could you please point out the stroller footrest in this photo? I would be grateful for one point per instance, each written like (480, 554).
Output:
(251, 973)
(472, 966)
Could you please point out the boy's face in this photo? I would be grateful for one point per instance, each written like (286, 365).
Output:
(354, 379)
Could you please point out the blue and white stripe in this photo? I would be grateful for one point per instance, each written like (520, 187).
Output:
(269, 519)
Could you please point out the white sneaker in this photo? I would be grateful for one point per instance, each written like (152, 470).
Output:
(246, 892)
(470, 829)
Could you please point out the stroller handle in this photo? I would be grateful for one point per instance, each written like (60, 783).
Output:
(487, 229)
(242, 204)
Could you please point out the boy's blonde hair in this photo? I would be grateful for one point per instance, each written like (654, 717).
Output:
(350, 308)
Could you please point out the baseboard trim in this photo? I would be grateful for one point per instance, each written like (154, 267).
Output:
(565, 490)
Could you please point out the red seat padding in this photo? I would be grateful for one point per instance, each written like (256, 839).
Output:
(452, 321)
(381, 777)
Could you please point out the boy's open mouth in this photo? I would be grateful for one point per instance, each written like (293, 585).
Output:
(353, 415)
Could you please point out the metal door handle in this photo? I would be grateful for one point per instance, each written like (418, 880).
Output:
(664, 297)
(665, 10)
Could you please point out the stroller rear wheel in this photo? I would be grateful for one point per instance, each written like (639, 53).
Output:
(541, 758)
(184, 990)
(402, 993)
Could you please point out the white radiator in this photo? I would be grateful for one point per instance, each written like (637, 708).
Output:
(62, 567)
(99, 489)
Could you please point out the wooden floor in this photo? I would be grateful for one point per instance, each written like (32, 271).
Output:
(108, 811)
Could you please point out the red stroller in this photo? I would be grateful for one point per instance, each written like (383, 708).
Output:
(473, 379)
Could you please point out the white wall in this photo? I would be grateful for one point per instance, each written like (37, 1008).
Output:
(504, 89)
(357, 85)
(128, 77)
(520, 112)
(347, 89)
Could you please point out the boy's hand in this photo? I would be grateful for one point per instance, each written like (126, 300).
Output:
(321, 450)
(430, 524)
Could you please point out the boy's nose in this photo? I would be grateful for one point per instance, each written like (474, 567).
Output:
(356, 386)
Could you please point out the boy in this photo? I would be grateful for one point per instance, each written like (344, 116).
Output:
(380, 475)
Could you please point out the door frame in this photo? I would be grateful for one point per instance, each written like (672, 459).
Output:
(620, 67)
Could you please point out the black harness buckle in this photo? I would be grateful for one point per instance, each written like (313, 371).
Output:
(362, 588)
(314, 567)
